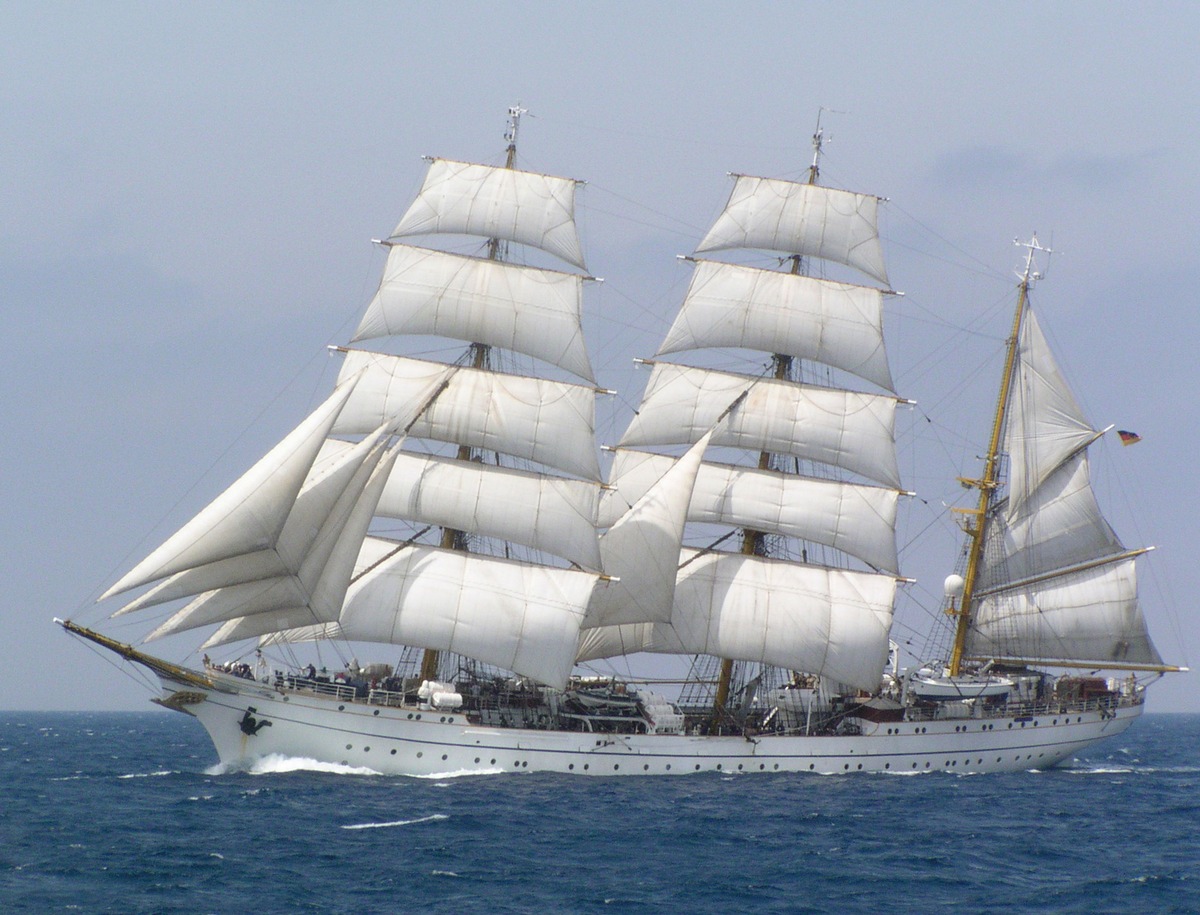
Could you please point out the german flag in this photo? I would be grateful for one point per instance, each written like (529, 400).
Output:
(1128, 438)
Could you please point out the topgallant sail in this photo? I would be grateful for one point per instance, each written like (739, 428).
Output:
(523, 563)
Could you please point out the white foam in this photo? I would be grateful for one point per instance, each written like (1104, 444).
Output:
(428, 819)
(148, 774)
(276, 763)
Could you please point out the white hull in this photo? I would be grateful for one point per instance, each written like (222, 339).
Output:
(403, 741)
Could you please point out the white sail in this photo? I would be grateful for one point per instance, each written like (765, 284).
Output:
(1045, 425)
(1088, 616)
(641, 548)
(552, 514)
(546, 421)
(835, 323)
(520, 617)
(804, 219)
(1058, 527)
(250, 514)
(334, 470)
(318, 585)
(524, 309)
(846, 429)
(822, 621)
(857, 519)
(494, 202)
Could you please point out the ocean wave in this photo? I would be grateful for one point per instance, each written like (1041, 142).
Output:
(150, 774)
(429, 819)
(277, 763)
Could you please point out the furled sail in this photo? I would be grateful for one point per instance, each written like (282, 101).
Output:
(847, 429)
(804, 219)
(524, 309)
(838, 324)
(493, 202)
(824, 621)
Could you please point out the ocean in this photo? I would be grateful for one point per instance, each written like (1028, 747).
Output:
(128, 812)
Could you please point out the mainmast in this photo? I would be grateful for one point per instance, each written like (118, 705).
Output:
(987, 485)
(479, 352)
(752, 541)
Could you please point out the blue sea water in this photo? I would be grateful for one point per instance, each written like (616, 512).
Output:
(128, 813)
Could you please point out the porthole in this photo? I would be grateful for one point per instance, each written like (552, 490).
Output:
(571, 766)
(646, 768)
(341, 708)
(393, 752)
(718, 767)
(616, 766)
(668, 767)
(860, 767)
(739, 767)
(348, 746)
(811, 766)
(418, 717)
(420, 753)
(410, 716)
(366, 749)
(444, 757)
(525, 765)
(697, 767)
(585, 767)
(887, 765)
(376, 712)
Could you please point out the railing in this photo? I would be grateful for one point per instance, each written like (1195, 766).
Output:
(320, 687)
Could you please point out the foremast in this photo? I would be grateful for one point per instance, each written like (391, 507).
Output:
(478, 355)
(988, 484)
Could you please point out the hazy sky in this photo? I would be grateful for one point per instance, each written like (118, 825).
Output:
(187, 193)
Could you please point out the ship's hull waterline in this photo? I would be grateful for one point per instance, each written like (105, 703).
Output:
(408, 741)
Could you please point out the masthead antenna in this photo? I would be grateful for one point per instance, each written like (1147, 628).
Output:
(510, 133)
(818, 141)
(1028, 275)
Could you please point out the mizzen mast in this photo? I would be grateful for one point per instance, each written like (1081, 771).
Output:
(989, 482)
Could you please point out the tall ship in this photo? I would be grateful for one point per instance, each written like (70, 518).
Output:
(450, 517)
